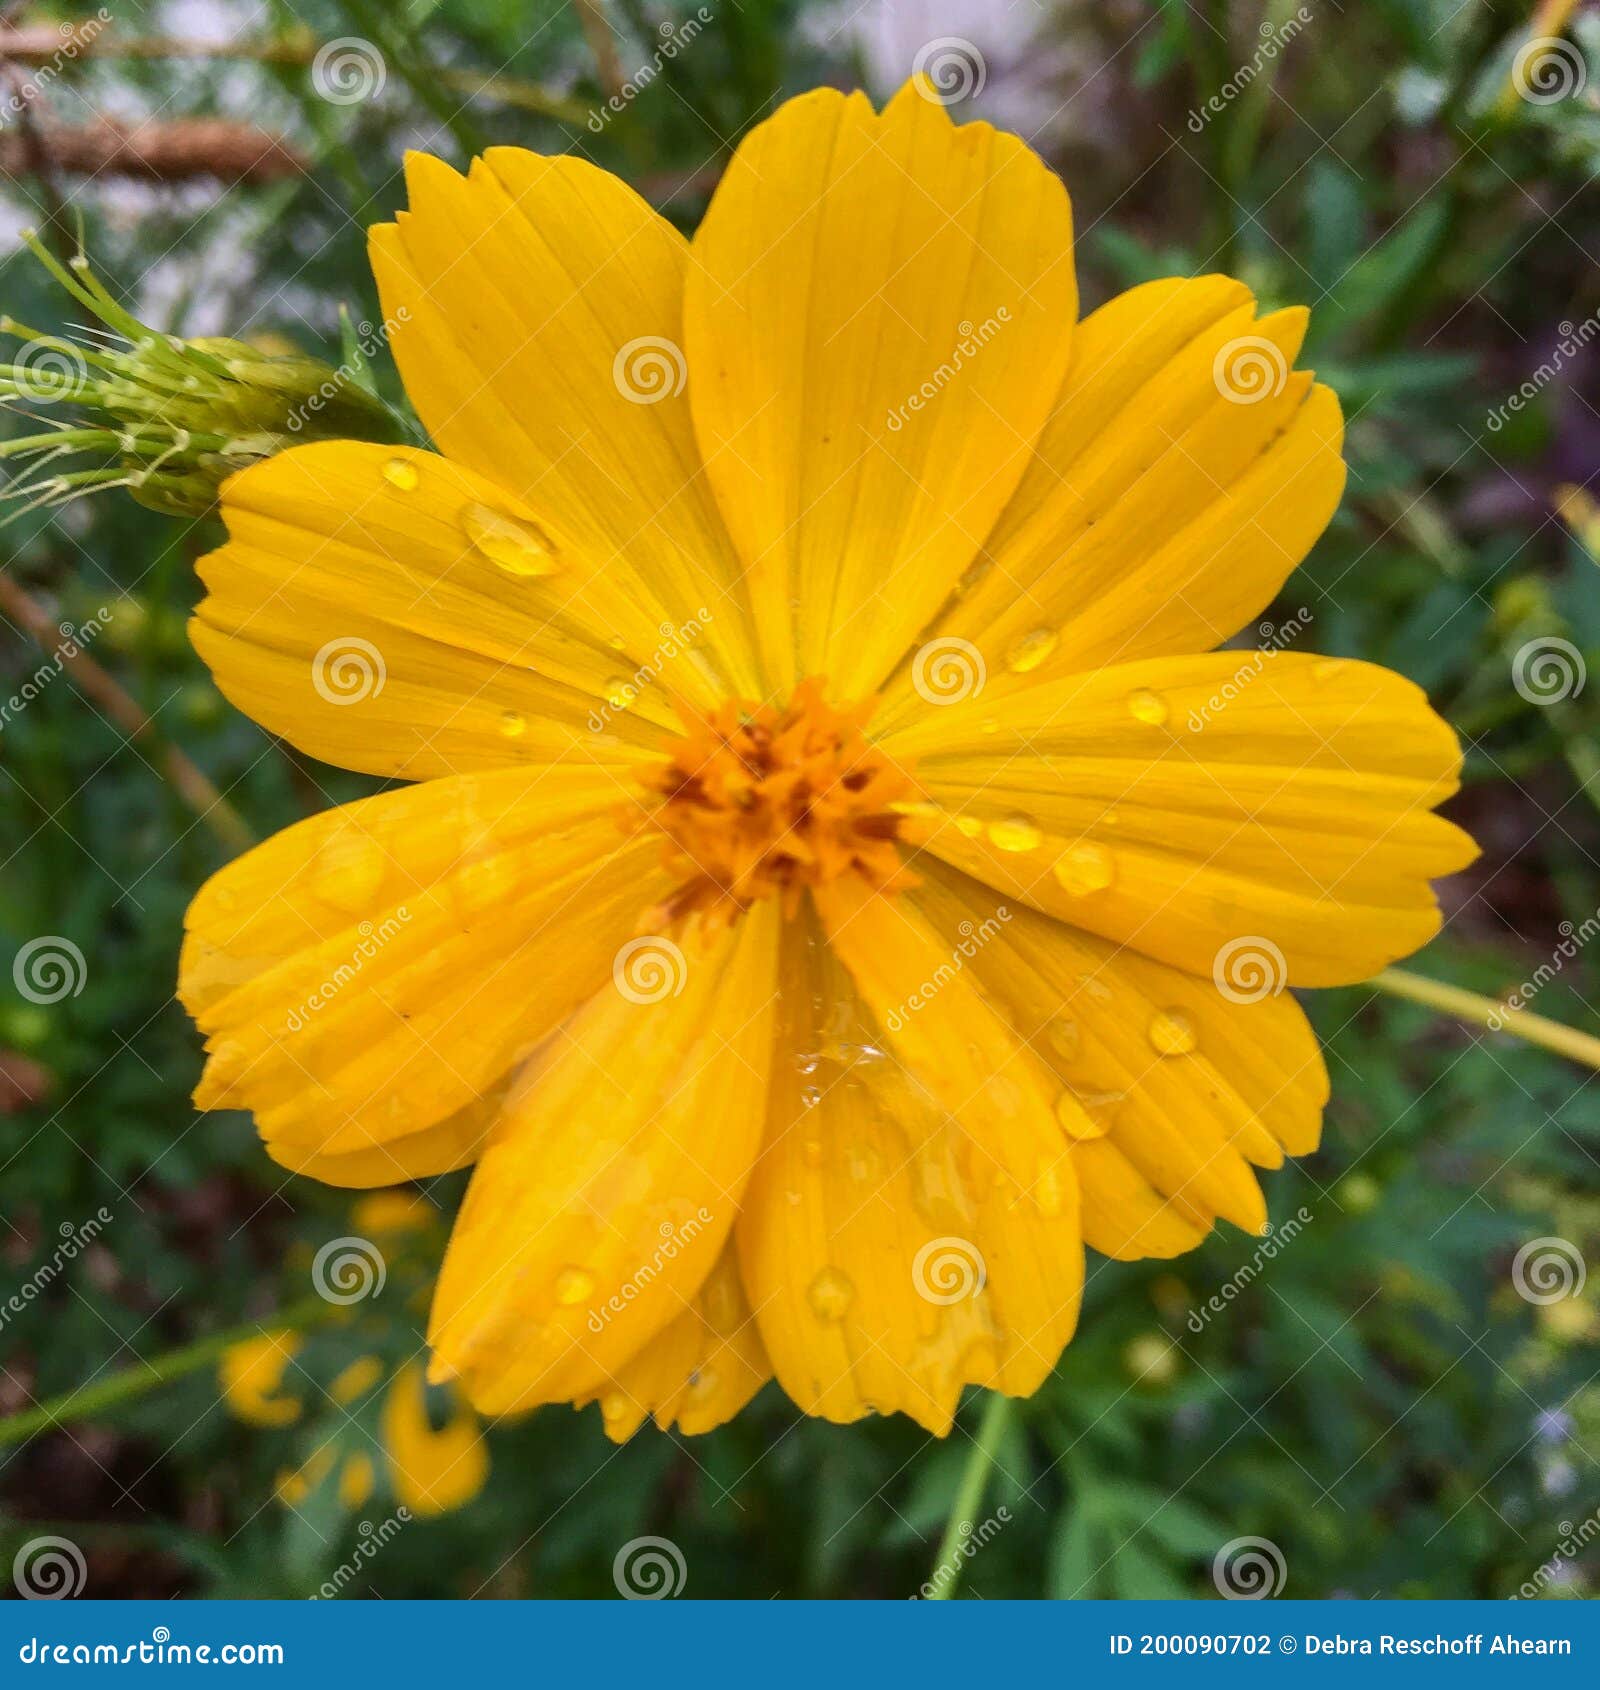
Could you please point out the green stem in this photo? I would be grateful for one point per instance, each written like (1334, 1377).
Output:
(91, 1401)
(1490, 1014)
(969, 1495)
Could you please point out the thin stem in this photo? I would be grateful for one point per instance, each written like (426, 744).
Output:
(1488, 1013)
(969, 1495)
(91, 1401)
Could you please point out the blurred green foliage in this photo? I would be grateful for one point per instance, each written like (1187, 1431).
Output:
(1377, 1400)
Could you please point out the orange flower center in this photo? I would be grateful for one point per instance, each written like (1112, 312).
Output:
(755, 800)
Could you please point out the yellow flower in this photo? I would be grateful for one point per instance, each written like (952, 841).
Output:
(834, 889)
(251, 1375)
(430, 1472)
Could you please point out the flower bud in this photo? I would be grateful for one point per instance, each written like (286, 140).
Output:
(166, 417)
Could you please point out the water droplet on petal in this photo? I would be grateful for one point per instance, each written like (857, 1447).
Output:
(613, 1405)
(811, 1096)
(1031, 650)
(1172, 1033)
(1048, 1190)
(830, 1295)
(969, 827)
(620, 692)
(1016, 833)
(1147, 706)
(573, 1284)
(1084, 868)
(402, 475)
(1067, 1038)
(513, 724)
(1088, 1114)
(989, 725)
(513, 546)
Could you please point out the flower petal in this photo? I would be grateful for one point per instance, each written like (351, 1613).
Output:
(535, 309)
(1184, 806)
(699, 1370)
(603, 1197)
(431, 1472)
(888, 1264)
(1181, 1087)
(1186, 469)
(367, 979)
(352, 614)
(877, 319)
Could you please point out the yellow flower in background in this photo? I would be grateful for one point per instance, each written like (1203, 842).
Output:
(251, 1376)
(430, 1470)
(836, 886)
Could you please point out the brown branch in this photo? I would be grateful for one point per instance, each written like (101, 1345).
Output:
(174, 150)
(187, 779)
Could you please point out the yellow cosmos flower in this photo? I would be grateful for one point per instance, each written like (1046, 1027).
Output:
(251, 1378)
(837, 886)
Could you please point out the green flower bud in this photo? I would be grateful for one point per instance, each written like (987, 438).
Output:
(168, 418)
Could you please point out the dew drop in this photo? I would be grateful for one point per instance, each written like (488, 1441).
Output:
(513, 724)
(512, 546)
(1048, 1194)
(1084, 868)
(811, 1096)
(1031, 650)
(613, 1405)
(830, 1295)
(402, 475)
(1147, 706)
(989, 725)
(1172, 1033)
(1066, 1037)
(573, 1284)
(620, 692)
(1088, 1114)
(1016, 833)
(969, 827)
